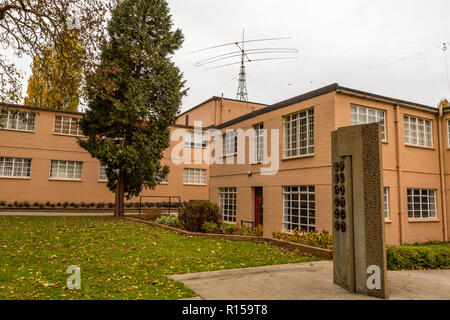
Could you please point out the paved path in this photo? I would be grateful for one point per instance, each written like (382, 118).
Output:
(61, 214)
(308, 281)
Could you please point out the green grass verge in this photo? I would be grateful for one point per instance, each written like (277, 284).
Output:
(419, 256)
(118, 259)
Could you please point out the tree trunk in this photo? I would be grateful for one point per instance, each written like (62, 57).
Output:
(119, 209)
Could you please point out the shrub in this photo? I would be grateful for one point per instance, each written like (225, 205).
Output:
(419, 256)
(47, 203)
(16, 203)
(323, 239)
(10, 205)
(151, 215)
(228, 228)
(20, 205)
(59, 204)
(195, 213)
(76, 205)
(168, 220)
(250, 231)
(82, 204)
(211, 227)
(36, 204)
(26, 204)
(2, 203)
(41, 205)
(52, 205)
(110, 205)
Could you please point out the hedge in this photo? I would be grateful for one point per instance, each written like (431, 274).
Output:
(419, 256)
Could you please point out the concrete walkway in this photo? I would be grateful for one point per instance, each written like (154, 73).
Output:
(308, 281)
(61, 214)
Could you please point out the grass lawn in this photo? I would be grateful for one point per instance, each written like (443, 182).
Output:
(118, 259)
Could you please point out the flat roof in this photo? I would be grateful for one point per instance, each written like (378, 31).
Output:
(218, 98)
(12, 105)
(325, 90)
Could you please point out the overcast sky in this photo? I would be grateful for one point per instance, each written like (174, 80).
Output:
(381, 46)
(388, 47)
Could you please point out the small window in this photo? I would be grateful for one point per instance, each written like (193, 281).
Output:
(299, 208)
(418, 132)
(16, 120)
(386, 203)
(230, 143)
(227, 199)
(15, 167)
(66, 170)
(421, 204)
(102, 173)
(258, 143)
(67, 126)
(194, 139)
(194, 176)
(362, 115)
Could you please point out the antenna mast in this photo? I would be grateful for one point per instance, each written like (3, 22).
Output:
(244, 54)
(242, 89)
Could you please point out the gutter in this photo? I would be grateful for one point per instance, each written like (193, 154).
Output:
(399, 172)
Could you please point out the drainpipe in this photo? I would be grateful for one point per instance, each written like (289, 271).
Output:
(399, 172)
(442, 174)
(221, 109)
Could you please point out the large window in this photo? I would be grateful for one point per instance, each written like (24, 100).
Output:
(15, 167)
(67, 126)
(299, 208)
(258, 143)
(15, 120)
(228, 204)
(230, 143)
(421, 203)
(362, 115)
(194, 176)
(194, 139)
(386, 203)
(68, 170)
(299, 134)
(418, 132)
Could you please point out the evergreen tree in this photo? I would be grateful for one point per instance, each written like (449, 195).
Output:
(134, 97)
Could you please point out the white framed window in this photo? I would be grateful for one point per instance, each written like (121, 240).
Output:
(15, 167)
(102, 173)
(230, 143)
(421, 203)
(418, 132)
(194, 176)
(386, 203)
(16, 120)
(66, 170)
(299, 208)
(227, 199)
(194, 139)
(299, 134)
(258, 143)
(67, 126)
(363, 115)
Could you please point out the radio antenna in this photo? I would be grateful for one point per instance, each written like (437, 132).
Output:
(244, 54)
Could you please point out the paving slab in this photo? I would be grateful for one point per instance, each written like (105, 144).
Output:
(308, 281)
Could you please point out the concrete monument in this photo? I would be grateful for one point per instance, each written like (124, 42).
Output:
(359, 251)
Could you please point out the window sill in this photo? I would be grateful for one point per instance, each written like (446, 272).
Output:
(388, 221)
(419, 147)
(298, 157)
(431, 220)
(66, 180)
(194, 184)
(68, 135)
(102, 181)
(17, 130)
(16, 178)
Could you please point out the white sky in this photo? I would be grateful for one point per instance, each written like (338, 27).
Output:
(370, 45)
(338, 41)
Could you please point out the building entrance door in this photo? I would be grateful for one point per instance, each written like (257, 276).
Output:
(259, 220)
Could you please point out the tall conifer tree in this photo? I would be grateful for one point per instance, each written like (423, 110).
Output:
(134, 97)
